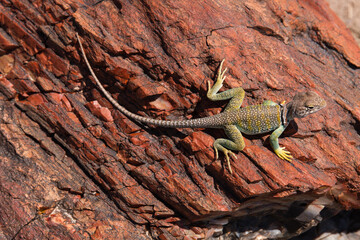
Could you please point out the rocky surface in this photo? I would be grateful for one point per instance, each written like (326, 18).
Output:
(349, 13)
(73, 167)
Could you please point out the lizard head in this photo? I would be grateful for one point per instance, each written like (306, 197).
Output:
(303, 104)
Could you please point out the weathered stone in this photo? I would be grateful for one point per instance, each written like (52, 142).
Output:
(73, 166)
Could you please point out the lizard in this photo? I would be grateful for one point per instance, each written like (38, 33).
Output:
(234, 120)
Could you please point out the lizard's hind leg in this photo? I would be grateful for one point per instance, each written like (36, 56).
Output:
(236, 143)
(236, 94)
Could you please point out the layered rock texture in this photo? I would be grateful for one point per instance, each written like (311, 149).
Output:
(74, 167)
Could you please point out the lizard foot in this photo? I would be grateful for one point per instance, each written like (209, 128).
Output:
(226, 153)
(220, 79)
(283, 154)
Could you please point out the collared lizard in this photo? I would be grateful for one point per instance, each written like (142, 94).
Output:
(251, 120)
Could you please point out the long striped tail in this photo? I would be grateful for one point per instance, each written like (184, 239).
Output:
(206, 122)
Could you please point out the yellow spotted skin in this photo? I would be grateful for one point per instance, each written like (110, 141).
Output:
(255, 119)
(258, 119)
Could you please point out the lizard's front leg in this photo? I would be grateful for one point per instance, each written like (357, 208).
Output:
(274, 142)
(235, 143)
(236, 94)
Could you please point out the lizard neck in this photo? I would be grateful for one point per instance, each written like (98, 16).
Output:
(289, 111)
(283, 114)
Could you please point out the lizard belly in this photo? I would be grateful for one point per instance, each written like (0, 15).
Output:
(258, 119)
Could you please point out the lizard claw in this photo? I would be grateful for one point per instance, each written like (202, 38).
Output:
(283, 154)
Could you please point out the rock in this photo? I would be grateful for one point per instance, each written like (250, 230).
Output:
(73, 166)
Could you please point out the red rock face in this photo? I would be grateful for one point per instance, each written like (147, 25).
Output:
(73, 166)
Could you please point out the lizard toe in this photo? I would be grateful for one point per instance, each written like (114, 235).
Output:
(227, 152)
(233, 154)
(216, 153)
(209, 86)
